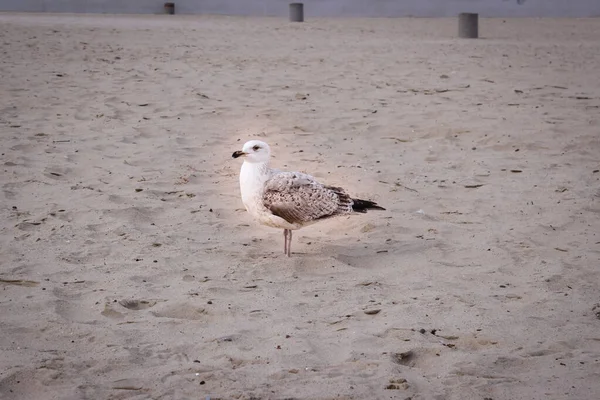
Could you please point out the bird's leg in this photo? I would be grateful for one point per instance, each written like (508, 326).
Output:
(285, 241)
(289, 245)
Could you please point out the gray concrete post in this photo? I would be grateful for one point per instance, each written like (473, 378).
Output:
(296, 12)
(468, 25)
(169, 8)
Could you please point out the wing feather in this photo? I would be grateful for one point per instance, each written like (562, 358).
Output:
(299, 198)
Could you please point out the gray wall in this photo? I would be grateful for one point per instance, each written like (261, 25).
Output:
(322, 8)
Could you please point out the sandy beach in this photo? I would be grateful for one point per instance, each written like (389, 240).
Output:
(129, 268)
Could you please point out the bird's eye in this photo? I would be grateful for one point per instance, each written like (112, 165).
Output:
(256, 147)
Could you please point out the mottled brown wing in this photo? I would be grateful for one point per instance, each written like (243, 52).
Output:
(299, 198)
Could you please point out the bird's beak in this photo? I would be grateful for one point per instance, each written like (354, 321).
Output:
(238, 153)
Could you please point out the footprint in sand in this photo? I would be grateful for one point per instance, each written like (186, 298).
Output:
(181, 311)
(139, 218)
(9, 194)
(72, 310)
(110, 313)
(137, 305)
(28, 226)
(111, 310)
(121, 110)
(57, 172)
(28, 383)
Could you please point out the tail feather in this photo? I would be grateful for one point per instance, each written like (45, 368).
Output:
(362, 206)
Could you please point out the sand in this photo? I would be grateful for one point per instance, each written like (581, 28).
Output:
(130, 270)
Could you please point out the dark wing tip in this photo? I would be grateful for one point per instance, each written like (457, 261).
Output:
(359, 205)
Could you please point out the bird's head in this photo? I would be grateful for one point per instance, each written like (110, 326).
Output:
(254, 151)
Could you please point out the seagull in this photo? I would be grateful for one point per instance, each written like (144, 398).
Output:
(289, 200)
